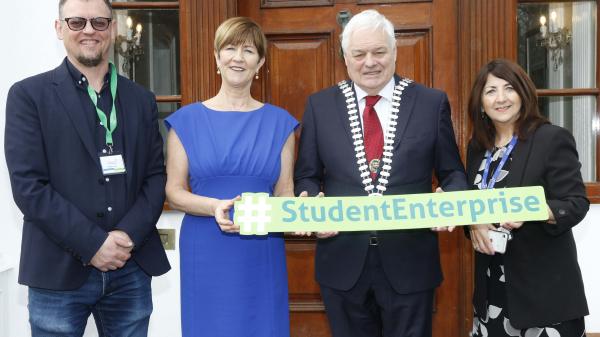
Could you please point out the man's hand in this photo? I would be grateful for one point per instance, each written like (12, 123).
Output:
(325, 235)
(123, 239)
(443, 228)
(303, 194)
(114, 252)
(510, 225)
(320, 235)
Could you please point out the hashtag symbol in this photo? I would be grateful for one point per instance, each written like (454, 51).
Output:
(252, 214)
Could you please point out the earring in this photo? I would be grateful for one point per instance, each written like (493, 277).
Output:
(218, 71)
(483, 115)
(256, 77)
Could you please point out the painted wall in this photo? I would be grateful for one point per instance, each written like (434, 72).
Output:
(31, 47)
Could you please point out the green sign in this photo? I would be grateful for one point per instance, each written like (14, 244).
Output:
(259, 214)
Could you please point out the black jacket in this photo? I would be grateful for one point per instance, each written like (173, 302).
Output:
(57, 180)
(543, 279)
(424, 143)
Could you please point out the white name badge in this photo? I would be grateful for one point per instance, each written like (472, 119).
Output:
(112, 164)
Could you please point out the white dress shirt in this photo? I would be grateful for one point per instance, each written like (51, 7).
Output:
(383, 106)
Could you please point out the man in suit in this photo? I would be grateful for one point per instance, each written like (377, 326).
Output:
(86, 168)
(378, 133)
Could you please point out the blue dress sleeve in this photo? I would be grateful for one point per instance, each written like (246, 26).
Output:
(174, 120)
(290, 124)
(180, 121)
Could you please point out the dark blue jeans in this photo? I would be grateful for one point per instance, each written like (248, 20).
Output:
(120, 300)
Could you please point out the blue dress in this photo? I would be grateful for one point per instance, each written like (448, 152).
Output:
(231, 285)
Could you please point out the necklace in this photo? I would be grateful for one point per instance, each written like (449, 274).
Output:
(388, 140)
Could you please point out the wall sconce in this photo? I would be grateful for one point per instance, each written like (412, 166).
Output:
(554, 38)
(130, 48)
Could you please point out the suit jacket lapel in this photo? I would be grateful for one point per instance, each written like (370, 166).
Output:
(127, 110)
(68, 96)
(407, 104)
(520, 157)
(342, 109)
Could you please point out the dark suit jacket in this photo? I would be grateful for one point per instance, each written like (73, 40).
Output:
(57, 180)
(543, 280)
(424, 144)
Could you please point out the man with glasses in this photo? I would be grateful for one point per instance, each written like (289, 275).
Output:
(86, 168)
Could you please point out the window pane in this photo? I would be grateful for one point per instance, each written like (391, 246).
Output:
(153, 61)
(578, 115)
(164, 110)
(552, 64)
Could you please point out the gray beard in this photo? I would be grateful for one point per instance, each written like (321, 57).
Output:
(90, 62)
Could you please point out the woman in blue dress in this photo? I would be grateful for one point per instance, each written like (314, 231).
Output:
(231, 286)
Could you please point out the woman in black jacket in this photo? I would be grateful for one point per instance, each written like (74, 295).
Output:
(535, 288)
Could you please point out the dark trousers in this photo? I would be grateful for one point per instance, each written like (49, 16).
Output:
(372, 308)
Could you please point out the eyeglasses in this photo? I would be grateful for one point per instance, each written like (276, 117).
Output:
(77, 23)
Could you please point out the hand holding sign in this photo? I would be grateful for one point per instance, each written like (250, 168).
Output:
(320, 235)
(441, 229)
(221, 210)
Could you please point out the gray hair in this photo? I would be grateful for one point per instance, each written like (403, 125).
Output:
(372, 19)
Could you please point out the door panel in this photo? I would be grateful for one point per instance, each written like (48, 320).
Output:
(302, 58)
(298, 64)
(414, 51)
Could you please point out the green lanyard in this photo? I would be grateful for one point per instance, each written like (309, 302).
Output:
(113, 111)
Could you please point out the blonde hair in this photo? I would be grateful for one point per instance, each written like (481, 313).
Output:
(238, 30)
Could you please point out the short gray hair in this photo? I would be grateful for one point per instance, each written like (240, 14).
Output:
(372, 19)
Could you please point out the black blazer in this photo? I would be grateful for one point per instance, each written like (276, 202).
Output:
(57, 180)
(543, 280)
(326, 161)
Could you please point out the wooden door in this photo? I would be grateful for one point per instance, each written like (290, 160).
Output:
(303, 57)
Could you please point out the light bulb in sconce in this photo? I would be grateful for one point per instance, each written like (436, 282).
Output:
(129, 25)
(553, 17)
(543, 28)
(138, 33)
(554, 38)
(129, 47)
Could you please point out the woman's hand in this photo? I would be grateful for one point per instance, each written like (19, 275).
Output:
(221, 210)
(510, 225)
(551, 219)
(481, 238)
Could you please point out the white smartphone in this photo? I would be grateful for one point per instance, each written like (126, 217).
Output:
(499, 240)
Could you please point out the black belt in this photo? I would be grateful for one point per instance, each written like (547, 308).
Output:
(373, 241)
